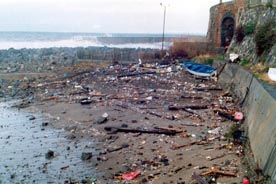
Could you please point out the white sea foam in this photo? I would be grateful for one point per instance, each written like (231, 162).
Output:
(48, 40)
(75, 43)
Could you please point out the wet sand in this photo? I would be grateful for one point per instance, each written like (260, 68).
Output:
(25, 140)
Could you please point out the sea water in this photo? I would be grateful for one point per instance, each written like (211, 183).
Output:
(20, 40)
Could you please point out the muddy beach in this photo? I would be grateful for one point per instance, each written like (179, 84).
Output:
(159, 122)
(33, 152)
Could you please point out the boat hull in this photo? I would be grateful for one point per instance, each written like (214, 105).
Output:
(272, 74)
(200, 69)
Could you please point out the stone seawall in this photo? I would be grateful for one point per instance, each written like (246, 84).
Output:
(260, 116)
(132, 40)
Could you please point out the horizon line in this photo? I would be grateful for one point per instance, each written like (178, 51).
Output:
(119, 33)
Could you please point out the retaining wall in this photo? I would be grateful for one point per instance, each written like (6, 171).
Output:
(260, 115)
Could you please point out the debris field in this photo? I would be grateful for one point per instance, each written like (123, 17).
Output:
(151, 123)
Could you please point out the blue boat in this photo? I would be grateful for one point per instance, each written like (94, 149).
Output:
(200, 69)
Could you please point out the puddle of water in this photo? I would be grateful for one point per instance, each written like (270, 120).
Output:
(23, 145)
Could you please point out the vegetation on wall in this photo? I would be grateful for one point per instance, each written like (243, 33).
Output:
(265, 37)
(269, 4)
(239, 34)
(250, 28)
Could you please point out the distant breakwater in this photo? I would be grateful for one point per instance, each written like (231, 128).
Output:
(45, 59)
(133, 40)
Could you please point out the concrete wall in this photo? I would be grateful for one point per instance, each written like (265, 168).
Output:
(260, 113)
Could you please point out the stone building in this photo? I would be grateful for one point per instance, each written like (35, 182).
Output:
(224, 18)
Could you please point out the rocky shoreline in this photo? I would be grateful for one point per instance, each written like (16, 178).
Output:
(49, 59)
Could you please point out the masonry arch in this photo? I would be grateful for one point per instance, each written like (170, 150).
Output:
(227, 29)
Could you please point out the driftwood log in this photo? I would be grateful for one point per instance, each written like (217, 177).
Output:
(216, 171)
(136, 74)
(185, 107)
(153, 131)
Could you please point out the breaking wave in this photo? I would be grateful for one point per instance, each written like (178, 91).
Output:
(18, 40)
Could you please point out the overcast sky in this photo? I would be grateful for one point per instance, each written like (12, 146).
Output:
(105, 16)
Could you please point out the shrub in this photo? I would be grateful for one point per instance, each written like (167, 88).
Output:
(239, 34)
(265, 37)
(179, 53)
(250, 28)
(269, 5)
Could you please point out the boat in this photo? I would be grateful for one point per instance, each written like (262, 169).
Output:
(272, 74)
(200, 69)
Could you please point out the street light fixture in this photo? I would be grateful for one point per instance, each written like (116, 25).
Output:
(164, 22)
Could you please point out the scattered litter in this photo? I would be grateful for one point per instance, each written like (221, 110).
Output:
(131, 176)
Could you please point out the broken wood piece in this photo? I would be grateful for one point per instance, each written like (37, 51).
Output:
(169, 129)
(191, 124)
(143, 108)
(197, 107)
(124, 145)
(215, 171)
(185, 145)
(225, 93)
(217, 157)
(222, 68)
(193, 113)
(51, 98)
(125, 130)
(199, 179)
(136, 74)
(155, 114)
(208, 88)
(122, 106)
(193, 97)
(177, 169)
(64, 167)
(225, 115)
(160, 116)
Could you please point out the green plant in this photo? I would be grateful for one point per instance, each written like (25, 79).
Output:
(220, 58)
(231, 130)
(244, 62)
(265, 70)
(209, 61)
(262, 59)
(257, 75)
(265, 37)
(239, 34)
(274, 52)
(249, 28)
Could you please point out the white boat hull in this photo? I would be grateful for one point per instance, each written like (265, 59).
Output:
(272, 74)
(202, 74)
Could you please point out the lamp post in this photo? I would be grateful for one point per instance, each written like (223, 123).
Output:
(164, 22)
